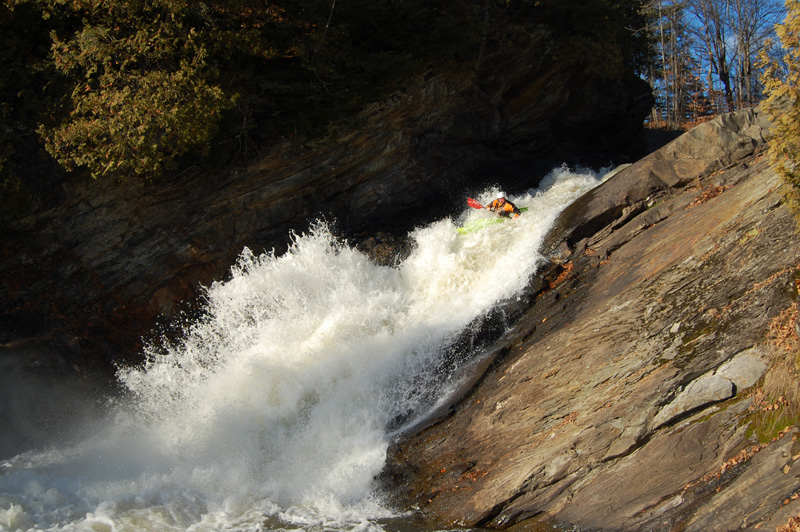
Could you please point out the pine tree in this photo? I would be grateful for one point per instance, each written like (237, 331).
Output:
(782, 84)
(142, 95)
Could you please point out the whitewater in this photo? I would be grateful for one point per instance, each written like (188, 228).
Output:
(274, 410)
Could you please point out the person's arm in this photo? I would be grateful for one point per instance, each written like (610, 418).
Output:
(509, 207)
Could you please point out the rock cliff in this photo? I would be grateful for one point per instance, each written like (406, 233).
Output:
(623, 396)
(89, 272)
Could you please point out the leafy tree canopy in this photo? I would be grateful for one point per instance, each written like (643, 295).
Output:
(134, 88)
(143, 92)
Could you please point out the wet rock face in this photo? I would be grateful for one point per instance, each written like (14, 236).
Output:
(617, 400)
(91, 274)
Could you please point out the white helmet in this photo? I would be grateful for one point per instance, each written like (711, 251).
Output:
(499, 195)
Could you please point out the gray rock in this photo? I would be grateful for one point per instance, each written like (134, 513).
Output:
(703, 391)
(745, 369)
(771, 476)
(596, 367)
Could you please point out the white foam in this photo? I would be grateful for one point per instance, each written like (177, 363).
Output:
(273, 411)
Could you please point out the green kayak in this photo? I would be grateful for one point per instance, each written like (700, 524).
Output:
(476, 225)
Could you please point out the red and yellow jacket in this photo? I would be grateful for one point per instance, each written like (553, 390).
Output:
(503, 207)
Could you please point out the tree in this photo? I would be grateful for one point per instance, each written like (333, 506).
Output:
(153, 81)
(27, 93)
(706, 52)
(143, 92)
(672, 73)
(782, 85)
(753, 22)
(712, 28)
(134, 88)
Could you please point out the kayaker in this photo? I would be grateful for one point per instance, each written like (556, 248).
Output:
(503, 207)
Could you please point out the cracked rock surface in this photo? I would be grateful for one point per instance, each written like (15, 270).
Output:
(618, 400)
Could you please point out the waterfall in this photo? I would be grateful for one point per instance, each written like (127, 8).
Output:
(274, 409)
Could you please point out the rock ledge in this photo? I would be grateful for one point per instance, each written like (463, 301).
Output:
(621, 400)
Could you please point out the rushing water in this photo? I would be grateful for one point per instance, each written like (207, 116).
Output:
(275, 409)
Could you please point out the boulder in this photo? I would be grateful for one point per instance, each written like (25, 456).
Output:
(700, 392)
(745, 369)
(742, 371)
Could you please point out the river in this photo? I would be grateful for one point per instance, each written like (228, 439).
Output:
(275, 408)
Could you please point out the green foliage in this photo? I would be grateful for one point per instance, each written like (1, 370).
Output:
(767, 425)
(27, 93)
(783, 103)
(14, 199)
(153, 80)
(134, 88)
(142, 93)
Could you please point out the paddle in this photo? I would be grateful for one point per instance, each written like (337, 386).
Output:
(474, 204)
